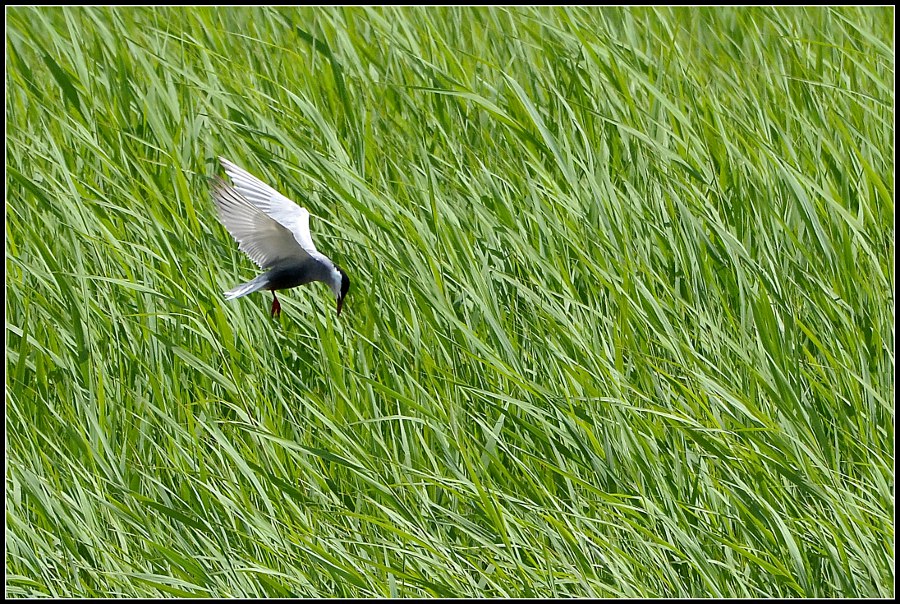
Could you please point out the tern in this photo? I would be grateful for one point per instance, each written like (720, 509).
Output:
(274, 232)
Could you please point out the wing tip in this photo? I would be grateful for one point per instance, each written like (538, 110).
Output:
(219, 188)
(230, 167)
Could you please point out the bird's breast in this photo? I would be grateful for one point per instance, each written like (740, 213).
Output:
(296, 274)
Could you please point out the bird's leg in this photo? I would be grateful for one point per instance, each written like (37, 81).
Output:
(276, 307)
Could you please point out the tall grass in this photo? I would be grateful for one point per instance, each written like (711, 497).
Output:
(621, 321)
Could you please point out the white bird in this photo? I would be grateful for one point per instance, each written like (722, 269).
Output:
(274, 232)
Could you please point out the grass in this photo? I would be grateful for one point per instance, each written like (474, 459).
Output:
(621, 320)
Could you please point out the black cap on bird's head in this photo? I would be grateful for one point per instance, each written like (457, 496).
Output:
(345, 287)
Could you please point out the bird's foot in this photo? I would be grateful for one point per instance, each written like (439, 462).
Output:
(276, 306)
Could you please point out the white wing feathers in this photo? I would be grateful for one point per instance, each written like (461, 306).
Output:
(262, 238)
(275, 205)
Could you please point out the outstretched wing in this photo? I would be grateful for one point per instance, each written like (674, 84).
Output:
(263, 238)
(281, 209)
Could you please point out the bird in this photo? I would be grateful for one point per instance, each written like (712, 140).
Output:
(273, 231)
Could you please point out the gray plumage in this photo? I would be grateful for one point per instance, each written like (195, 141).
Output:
(274, 232)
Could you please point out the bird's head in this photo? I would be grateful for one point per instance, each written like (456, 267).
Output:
(344, 288)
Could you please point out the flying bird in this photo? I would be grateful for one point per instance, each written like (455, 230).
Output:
(274, 232)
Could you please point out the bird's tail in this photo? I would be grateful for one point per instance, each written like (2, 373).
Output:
(247, 288)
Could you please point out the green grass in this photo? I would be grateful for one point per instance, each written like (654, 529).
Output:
(621, 321)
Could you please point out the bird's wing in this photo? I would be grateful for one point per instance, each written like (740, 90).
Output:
(287, 213)
(261, 237)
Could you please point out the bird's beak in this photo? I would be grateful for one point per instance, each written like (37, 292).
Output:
(340, 304)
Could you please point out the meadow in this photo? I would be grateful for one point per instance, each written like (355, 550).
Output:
(621, 321)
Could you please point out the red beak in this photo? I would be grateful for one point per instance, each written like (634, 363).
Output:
(340, 304)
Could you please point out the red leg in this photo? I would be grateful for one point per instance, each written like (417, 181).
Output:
(276, 307)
